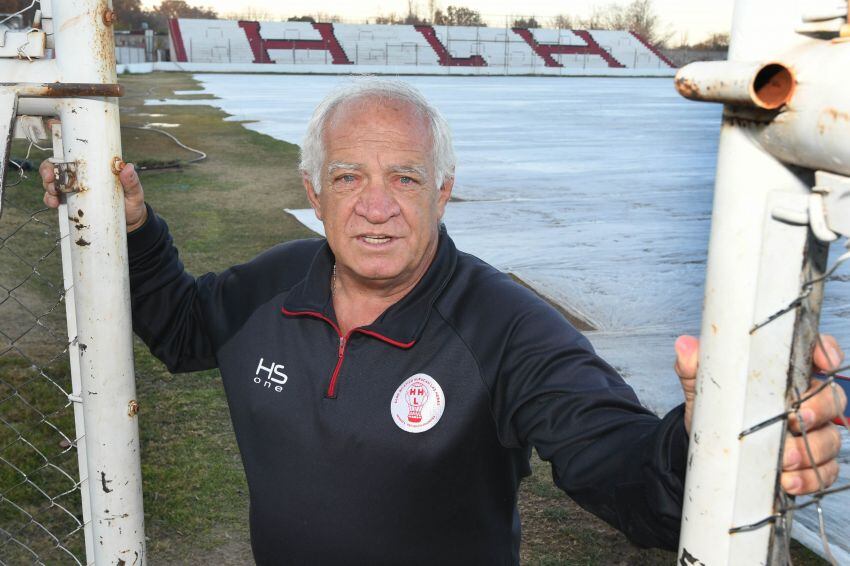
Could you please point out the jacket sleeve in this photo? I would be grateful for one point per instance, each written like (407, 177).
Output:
(610, 454)
(167, 301)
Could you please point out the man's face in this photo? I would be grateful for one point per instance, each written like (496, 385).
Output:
(379, 203)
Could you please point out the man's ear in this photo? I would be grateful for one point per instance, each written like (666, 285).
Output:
(312, 195)
(445, 195)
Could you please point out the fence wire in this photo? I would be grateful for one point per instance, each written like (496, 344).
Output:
(783, 516)
(40, 502)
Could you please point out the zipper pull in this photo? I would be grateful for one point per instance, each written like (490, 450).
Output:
(341, 346)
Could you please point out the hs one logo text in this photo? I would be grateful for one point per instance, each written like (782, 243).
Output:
(265, 376)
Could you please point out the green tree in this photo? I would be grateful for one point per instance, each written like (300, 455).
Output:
(180, 9)
(130, 14)
(526, 23)
(458, 16)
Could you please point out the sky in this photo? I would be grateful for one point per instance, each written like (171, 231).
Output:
(696, 18)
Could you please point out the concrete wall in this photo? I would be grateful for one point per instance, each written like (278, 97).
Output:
(303, 47)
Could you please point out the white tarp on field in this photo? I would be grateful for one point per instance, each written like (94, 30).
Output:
(595, 191)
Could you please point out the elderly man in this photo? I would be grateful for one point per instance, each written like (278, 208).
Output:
(386, 389)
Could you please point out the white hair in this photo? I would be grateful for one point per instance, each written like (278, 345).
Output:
(366, 88)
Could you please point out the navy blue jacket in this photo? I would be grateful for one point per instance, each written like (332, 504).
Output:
(337, 470)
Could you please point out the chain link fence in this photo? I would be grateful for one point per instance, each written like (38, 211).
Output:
(40, 498)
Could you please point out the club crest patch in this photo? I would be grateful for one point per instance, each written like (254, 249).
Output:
(418, 403)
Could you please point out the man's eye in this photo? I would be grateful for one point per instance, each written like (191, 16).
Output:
(347, 178)
(407, 180)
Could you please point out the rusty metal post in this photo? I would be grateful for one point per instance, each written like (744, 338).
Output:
(91, 140)
(781, 127)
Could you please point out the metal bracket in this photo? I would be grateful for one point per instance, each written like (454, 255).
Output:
(834, 191)
(824, 19)
(826, 210)
(65, 174)
(30, 128)
(29, 44)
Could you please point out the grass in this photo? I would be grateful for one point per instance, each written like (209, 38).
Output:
(221, 211)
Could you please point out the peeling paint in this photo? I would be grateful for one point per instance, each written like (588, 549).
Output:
(104, 482)
(687, 88)
(688, 559)
(83, 242)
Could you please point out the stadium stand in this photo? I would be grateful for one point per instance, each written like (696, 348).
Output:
(303, 47)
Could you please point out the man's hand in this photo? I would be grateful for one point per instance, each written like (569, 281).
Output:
(134, 197)
(798, 472)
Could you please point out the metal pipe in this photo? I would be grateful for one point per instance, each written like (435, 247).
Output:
(759, 85)
(754, 269)
(38, 106)
(64, 90)
(825, 10)
(814, 127)
(39, 71)
(805, 84)
(91, 134)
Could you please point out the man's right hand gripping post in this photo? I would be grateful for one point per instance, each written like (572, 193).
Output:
(135, 211)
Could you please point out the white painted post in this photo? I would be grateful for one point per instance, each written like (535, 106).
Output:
(760, 251)
(92, 140)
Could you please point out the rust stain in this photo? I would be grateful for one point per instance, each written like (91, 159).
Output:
(109, 17)
(80, 213)
(83, 242)
(688, 88)
(104, 47)
(837, 115)
(72, 22)
(80, 226)
(71, 90)
(714, 329)
(133, 408)
(73, 219)
(117, 165)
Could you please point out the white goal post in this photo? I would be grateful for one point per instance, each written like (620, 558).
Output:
(782, 194)
(71, 96)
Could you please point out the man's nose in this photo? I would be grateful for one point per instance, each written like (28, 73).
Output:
(377, 202)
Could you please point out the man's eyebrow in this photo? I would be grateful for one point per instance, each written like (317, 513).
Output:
(419, 170)
(337, 165)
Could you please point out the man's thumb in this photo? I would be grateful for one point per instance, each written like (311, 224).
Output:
(687, 356)
(130, 179)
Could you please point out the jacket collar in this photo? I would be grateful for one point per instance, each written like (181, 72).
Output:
(402, 323)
